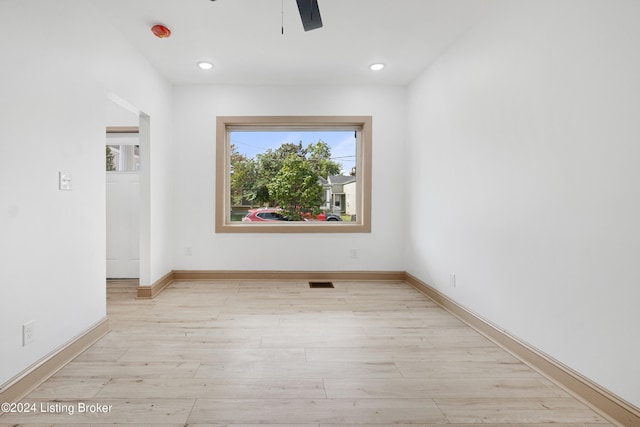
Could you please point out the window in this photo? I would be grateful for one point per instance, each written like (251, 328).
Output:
(312, 171)
(122, 150)
(123, 158)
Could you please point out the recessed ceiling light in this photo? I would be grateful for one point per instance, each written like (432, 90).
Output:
(205, 65)
(376, 67)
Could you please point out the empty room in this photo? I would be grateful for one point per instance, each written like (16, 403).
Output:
(319, 213)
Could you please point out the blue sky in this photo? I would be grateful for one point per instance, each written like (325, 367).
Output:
(342, 143)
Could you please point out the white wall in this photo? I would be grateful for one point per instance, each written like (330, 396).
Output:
(196, 109)
(524, 156)
(56, 70)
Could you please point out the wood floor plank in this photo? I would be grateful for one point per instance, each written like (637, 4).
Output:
(104, 354)
(423, 331)
(204, 354)
(468, 369)
(165, 388)
(299, 370)
(345, 342)
(80, 370)
(525, 388)
(303, 411)
(317, 330)
(74, 387)
(422, 355)
(511, 410)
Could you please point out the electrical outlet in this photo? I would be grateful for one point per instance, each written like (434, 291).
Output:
(453, 280)
(188, 251)
(354, 253)
(28, 332)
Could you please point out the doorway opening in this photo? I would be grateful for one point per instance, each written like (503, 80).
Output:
(122, 160)
(127, 188)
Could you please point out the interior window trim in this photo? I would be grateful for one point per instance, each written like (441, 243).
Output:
(361, 124)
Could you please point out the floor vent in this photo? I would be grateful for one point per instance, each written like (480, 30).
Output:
(320, 285)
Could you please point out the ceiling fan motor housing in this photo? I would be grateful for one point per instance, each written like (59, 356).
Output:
(310, 14)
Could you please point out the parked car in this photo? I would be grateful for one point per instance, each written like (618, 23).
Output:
(264, 214)
(328, 216)
(276, 214)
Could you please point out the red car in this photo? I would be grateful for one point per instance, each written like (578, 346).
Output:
(276, 214)
(264, 214)
(326, 216)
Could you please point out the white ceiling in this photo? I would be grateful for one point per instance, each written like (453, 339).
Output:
(243, 39)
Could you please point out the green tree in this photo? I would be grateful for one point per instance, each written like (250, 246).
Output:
(268, 165)
(296, 187)
(319, 155)
(243, 176)
(110, 163)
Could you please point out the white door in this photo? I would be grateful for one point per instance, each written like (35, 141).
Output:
(123, 237)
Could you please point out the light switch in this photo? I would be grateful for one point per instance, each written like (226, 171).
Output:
(64, 181)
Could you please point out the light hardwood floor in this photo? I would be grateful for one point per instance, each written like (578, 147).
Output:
(234, 353)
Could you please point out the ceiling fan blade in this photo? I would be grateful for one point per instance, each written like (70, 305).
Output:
(310, 14)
